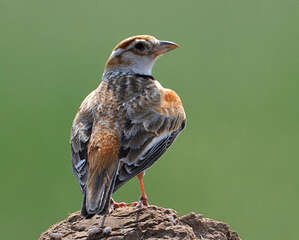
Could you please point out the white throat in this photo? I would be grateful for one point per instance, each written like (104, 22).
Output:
(143, 65)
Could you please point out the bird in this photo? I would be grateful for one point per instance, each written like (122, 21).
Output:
(124, 125)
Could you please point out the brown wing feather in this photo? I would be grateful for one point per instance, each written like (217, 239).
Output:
(146, 139)
(80, 135)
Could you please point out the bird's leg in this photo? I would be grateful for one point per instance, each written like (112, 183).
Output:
(142, 201)
(143, 198)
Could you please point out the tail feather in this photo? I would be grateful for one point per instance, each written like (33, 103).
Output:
(84, 212)
(98, 192)
(103, 164)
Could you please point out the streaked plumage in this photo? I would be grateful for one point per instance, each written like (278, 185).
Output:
(124, 125)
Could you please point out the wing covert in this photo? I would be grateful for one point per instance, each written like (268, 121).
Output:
(147, 137)
(80, 136)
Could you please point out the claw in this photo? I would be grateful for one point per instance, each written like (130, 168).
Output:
(143, 200)
(139, 205)
(142, 203)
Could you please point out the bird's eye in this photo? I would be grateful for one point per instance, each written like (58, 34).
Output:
(140, 46)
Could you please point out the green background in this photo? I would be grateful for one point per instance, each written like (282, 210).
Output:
(237, 72)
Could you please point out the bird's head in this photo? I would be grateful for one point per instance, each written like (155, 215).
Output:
(138, 54)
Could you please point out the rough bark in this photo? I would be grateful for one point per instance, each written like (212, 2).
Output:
(130, 223)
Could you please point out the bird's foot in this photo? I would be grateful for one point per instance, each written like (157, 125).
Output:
(143, 201)
(115, 205)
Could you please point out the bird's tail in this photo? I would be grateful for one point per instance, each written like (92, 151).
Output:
(97, 193)
(103, 167)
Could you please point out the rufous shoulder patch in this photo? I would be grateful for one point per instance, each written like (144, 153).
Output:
(171, 97)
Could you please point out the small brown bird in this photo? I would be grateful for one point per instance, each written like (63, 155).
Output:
(125, 124)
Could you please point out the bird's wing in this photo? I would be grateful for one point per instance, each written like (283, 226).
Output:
(148, 135)
(80, 136)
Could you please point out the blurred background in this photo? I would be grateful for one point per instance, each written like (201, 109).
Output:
(237, 72)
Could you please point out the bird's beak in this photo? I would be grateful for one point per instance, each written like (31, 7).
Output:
(164, 47)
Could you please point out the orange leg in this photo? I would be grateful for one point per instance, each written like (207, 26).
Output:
(143, 197)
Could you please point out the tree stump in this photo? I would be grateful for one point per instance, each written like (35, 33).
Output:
(130, 223)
